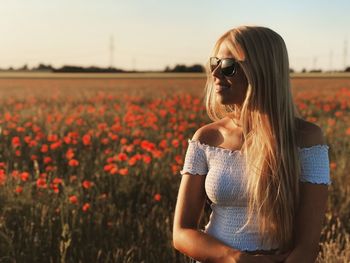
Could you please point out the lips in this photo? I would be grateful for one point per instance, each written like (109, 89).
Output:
(221, 88)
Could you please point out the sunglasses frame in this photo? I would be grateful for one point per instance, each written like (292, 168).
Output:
(219, 63)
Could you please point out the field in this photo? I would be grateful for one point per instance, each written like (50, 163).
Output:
(89, 166)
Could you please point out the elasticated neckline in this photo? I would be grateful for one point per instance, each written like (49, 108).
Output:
(238, 152)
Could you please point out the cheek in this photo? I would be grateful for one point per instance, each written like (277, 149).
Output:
(239, 85)
(244, 87)
(243, 84)
(245, 81)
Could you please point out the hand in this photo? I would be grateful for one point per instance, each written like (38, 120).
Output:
(235, 256)
(232, 256)
(259, 258)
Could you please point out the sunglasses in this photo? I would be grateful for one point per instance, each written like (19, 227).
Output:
(228, 66)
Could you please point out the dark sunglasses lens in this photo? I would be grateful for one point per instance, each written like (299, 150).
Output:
(228, 67)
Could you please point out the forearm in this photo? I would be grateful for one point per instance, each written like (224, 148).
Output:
(203, 247)
(302, 255)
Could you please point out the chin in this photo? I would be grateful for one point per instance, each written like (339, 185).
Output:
(225, 100)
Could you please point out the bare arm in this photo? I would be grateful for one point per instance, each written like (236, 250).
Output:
(309, 221)
(312, 208)
(188, 212)
(189, 207)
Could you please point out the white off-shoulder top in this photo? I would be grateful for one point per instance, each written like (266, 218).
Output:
(223, 169)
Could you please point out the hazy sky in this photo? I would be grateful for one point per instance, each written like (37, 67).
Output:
(153, 34)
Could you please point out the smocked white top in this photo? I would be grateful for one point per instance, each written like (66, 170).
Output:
(224, 186)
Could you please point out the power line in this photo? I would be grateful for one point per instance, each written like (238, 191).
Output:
(315, 62)
(345, 52)
(331, 60)
(134, 64)
(111, 50)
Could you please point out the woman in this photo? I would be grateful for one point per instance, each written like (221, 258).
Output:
(264, 169)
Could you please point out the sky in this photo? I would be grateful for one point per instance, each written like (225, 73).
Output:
(153, 34)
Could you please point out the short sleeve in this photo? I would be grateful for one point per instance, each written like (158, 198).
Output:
(195, 159)
(314, 163)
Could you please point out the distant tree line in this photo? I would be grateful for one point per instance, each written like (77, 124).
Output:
(66, 69)
(184, 68)
(347, 69)
(93, 69)
(87, 70)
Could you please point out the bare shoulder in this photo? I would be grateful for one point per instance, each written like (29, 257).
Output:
(208, 134)
(309, 134)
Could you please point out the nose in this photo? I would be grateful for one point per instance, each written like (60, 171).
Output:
(217, 72)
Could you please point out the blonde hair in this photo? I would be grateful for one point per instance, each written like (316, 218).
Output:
(268, 116)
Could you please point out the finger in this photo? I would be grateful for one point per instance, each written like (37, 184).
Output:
(280, 257)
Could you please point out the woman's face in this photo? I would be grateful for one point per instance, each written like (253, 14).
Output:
(229, 90)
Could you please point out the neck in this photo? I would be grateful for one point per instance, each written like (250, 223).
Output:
(235, 119)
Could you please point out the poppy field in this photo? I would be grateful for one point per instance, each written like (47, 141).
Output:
(89, 169)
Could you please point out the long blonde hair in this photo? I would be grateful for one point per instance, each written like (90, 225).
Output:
(269, 129)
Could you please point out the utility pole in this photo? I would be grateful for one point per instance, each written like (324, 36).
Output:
(345, 52)
(331, 61)
(314, 63)
(133, 64)
(111, 51)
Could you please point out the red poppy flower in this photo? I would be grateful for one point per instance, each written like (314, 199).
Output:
(146, 159)
(87, 139)
(70, 154)
(122, 157)
(41, 183)
(73, 163)
(24, 176)
(347, 131)
(73, 199)
(175, 143)
(55, 145)
(57, 180)
(16, 142)
(19, 189)
(44, 148)
(52, 137)
(132, 161)
(87, 184)
(2, 177)
(86, 207)
(157, 197)
(123, 171)
(47, 159)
